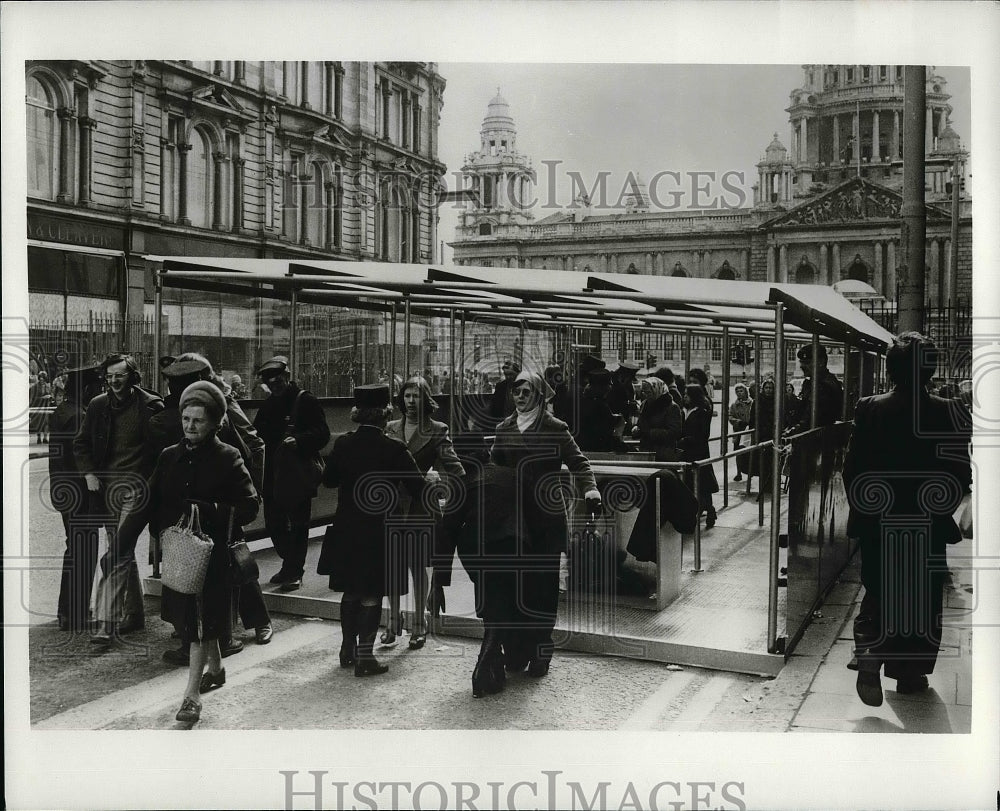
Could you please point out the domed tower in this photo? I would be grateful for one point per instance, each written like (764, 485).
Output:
(846, 121)
(774, 177)
(500, 177)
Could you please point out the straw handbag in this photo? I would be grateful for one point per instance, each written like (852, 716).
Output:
(186, 551)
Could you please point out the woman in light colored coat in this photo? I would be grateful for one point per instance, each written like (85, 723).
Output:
(428, 442)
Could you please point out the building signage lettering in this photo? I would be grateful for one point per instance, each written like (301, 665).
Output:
(73, 234)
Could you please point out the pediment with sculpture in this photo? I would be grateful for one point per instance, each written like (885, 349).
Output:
(854, 201)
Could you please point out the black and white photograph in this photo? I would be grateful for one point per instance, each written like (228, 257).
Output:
(465, 405)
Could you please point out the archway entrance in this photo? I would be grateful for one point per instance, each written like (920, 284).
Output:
(858, 270)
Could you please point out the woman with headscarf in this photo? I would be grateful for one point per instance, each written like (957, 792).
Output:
(200, 471)
(660, 421)
(536, 445)
(762, 418)
(739, 419)
(428, 442)
(367, 467)
(693, 445)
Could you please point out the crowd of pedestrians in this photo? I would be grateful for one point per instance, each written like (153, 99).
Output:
(126, 458)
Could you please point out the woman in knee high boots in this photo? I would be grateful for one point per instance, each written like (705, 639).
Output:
(366, 465)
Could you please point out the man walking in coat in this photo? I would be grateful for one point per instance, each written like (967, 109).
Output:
(830, 398)
(293, 417)
(112, 451)
(907, 471)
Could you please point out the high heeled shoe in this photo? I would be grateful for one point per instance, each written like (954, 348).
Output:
(390, 633)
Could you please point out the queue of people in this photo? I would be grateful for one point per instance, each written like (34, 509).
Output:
(134, 459)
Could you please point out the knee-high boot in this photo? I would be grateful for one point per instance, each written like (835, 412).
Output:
(349, 626)
(366, 664)
(489, 676)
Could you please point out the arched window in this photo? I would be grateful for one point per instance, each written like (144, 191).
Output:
(805, 273)
(726, 272)
(315, 203)
(43, 141)
(858, 270)
(200, 180)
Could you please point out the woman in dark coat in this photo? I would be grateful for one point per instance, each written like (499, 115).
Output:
(536, 445)
(693, 445)
(200, 471)
(428, 442)
(660, 421)
(367, 467)
(762, 418)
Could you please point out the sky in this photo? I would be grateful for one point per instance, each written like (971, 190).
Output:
(642, 118)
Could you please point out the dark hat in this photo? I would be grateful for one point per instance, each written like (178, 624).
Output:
(185, 368)
(205, 394)
(165, 361)
(82, 376)
(600, 377)
(805, 352)
(279, 363)
(371, 396)
(627, 367)
(589, 363)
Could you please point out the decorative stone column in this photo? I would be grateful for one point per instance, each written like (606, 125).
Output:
(804, 141)
(238, 166)
(879, 280)
(836, 139)
(875, 141)
(331, 84)
(66, 117)
(706, 270)
(856, 143)
(182, 184)
(824, 265)
(87, 127)
(783, 263)
(835, 269)
(218, 161)
(890, 271)
(329, 189)
(895, 135)
(934, 270)
(770, 263)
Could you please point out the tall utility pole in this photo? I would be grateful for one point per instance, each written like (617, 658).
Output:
(913, 229)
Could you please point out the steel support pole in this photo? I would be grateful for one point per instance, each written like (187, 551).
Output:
(460, 391)
(157, 345)
(813, 384)
(725, 417)
(913, 230)
(756, 431)
(779, 403)
(392, 351)
(697, 526)
(406, 338)
(456, 383)
(687, 357)
(293, 333)
(847, 380)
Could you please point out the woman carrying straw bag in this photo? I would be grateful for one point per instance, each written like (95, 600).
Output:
(202, 472)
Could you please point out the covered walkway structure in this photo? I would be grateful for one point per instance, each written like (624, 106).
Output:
(733, 598)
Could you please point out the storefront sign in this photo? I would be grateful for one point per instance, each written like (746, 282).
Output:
(74, 233)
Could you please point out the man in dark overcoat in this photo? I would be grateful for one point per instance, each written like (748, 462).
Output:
(906, 471)
(287, 520)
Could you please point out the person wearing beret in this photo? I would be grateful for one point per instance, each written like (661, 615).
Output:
(362, 541)
(536, 445)
(201, 471)
(70, 496)
(166, 429)
(428, 442)
(294, 417)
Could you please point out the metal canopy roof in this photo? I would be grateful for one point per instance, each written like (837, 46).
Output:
(547, 300)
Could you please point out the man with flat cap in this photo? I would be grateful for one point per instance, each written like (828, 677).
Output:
(70, 496)
(294, 417)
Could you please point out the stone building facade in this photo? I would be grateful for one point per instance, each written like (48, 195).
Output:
(826, 210)
(321, 160)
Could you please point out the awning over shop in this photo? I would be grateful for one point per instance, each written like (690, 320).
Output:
(555, 298)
